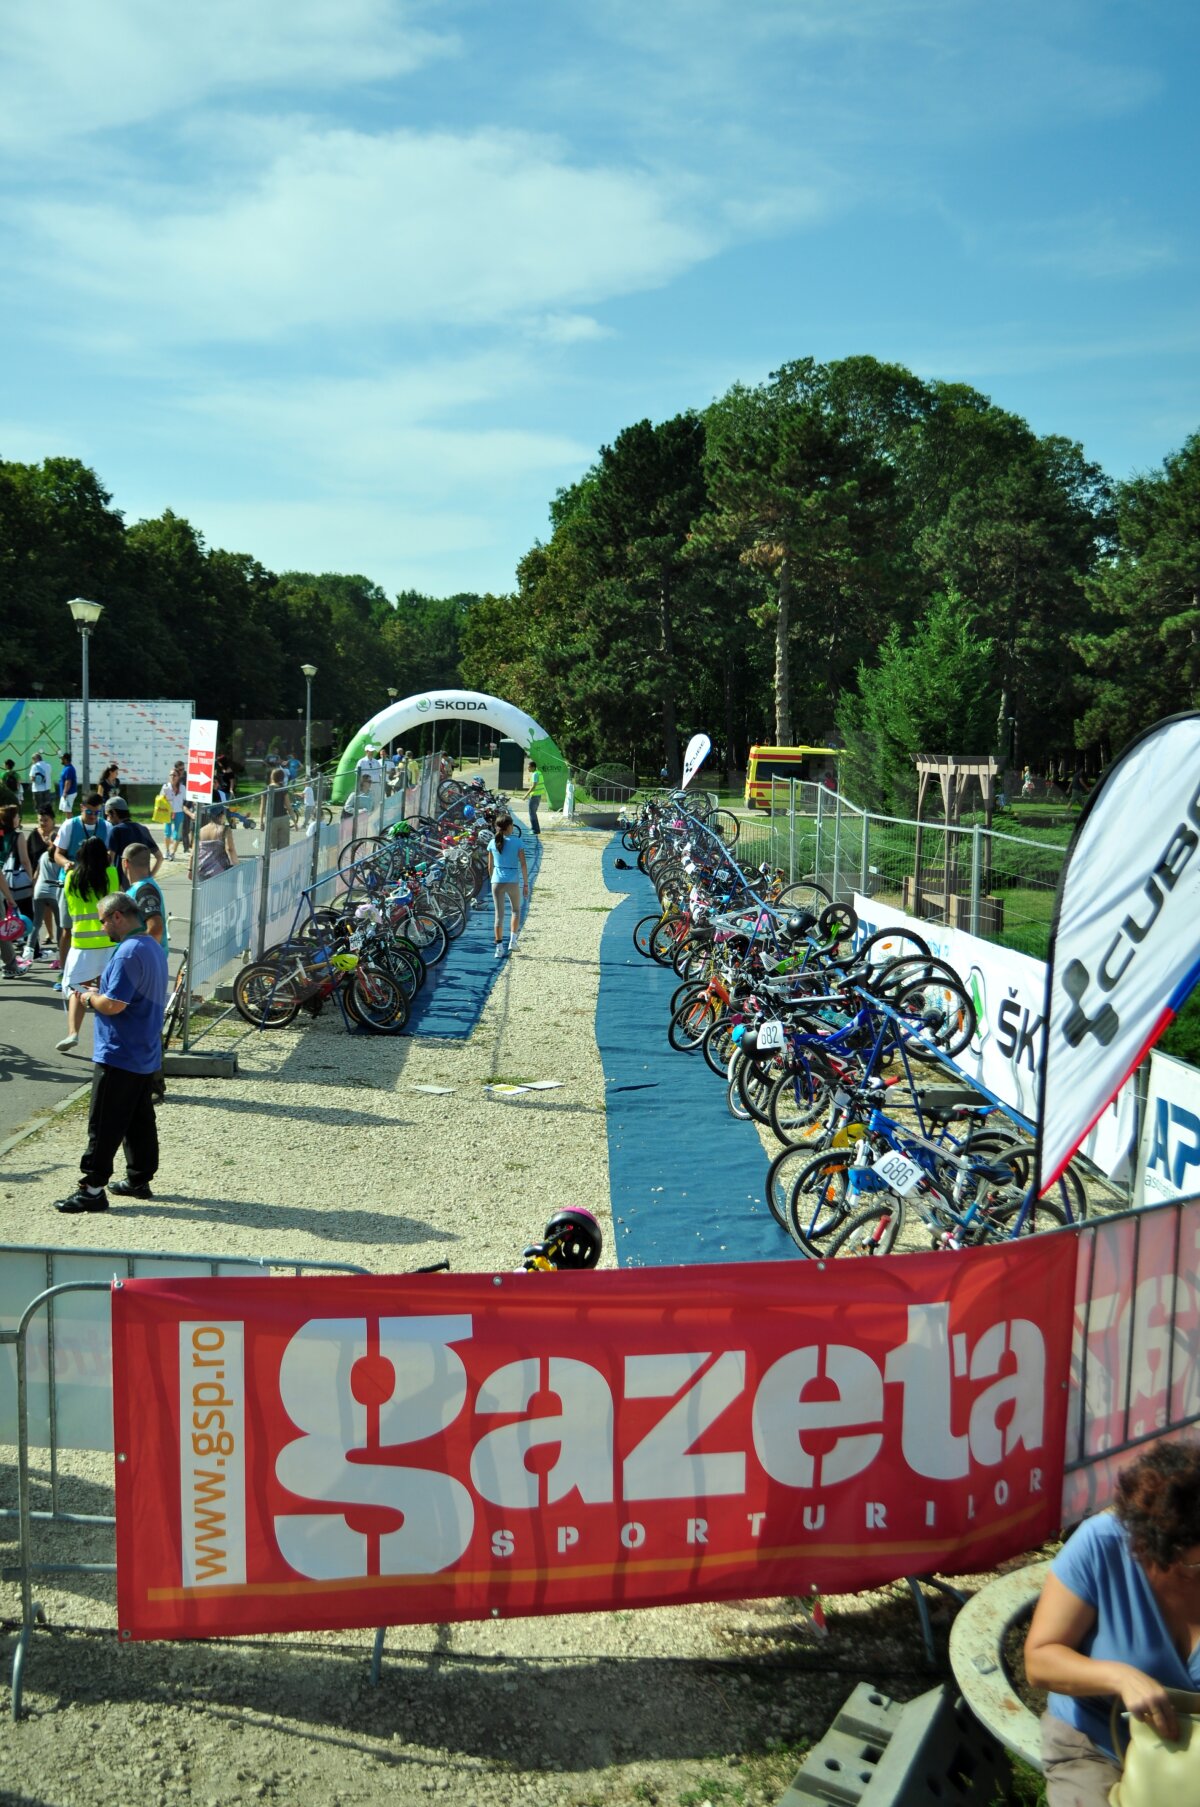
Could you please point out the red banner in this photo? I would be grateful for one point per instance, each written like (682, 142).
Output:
(325, 1453)
(1134, 1368)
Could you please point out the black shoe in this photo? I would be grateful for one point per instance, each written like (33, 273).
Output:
(82, 1201)
(127, 1189)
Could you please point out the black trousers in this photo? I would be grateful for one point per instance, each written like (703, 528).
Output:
(122, 1110)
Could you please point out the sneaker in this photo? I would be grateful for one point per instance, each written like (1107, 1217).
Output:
(57, 985)
(66, 1044)
(23, 963)
(80, 1200)
(54, 966)
(512, 947)
(127, 1189)
(499, 953)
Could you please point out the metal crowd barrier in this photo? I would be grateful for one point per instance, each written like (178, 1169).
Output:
(74, 1419)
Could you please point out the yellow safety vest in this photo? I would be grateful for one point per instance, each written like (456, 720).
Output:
(83, 907)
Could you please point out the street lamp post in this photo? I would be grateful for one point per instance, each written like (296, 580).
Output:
(310, 672)
(393, 693)
(85, 616)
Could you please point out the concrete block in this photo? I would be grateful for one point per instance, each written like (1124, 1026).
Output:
(879, 1753)
(197, 1065)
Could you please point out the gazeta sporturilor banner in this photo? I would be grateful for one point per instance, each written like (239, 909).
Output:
(1125, 946)
(325, 1453)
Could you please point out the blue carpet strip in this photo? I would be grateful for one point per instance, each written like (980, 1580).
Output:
(686, 1178)
(451, 1001)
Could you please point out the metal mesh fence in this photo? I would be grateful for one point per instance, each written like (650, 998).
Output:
(999, 886)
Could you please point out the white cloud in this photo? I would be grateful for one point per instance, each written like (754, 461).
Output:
(1096, 246)
(399, 229)
(569, 329)
(398, 434)
(73, 67)
(397, 547)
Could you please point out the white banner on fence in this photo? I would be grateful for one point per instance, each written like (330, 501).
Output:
(1008, 990)
(225, 921)
(698, 749)
(1123, 949)
(144, 735)
(290, 872)
(1169, 1156)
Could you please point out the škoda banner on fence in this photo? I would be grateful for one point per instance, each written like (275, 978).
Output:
(327, 1453)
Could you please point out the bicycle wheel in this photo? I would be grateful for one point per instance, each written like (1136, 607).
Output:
(379, 1001)
(427, 936)
(803, 894)
(821, 1199)
(665, 939)
(690, 1024)
(872, 1231)
(718, 1045)
(360, 849)
(800, 1097)
(893, 944)
(265, 996)
(933, 998)
(1017, 1153)
(173, 1014)
(1006, 1221)
(782, 1175)
(725, 825)
(755, 1082)
(642, 932)
(446, 904)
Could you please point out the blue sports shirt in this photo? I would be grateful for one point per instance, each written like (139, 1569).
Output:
(137, 976)
(506, 860)
(1098, 1567)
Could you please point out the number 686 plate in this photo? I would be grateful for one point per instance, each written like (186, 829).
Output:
(901, 1174)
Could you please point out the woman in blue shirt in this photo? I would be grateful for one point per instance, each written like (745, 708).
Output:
(510, 879)
(1119, 1617)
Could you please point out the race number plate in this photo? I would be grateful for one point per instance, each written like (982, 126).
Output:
(901, 1174)
(770, 1038)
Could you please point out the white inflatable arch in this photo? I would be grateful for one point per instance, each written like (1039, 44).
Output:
(459, 705)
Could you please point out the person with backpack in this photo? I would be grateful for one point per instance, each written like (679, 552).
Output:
(44, 907)
(18, 882)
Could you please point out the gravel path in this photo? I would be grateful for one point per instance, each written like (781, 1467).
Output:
(322, 1149)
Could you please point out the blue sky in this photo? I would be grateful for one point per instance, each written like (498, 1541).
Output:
(358, 284)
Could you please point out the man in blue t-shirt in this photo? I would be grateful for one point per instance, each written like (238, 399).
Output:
(127, 1002)
(68, 785)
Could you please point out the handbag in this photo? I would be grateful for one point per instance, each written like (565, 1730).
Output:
(1155, 1773)
(12, 926)
(162, 809)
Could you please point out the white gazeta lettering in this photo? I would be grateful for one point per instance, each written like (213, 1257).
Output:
(429, 1391)
(582, 1428)
(662, 1466)
(816, 1420)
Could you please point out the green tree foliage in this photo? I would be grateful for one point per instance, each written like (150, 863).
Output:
(800, 494)
(931, 691)
(1142, 655)
(623, 632)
